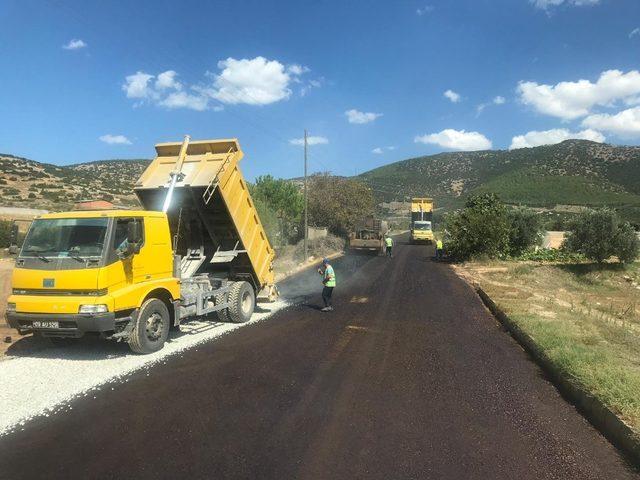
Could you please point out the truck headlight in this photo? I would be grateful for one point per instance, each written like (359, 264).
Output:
(11, 308)
(93, 309)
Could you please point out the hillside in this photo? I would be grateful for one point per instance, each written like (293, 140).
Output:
(27, 183)
(572, 173)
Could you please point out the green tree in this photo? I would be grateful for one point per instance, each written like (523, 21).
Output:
(525, 230)
(600, 234)
(269, 220)
(481, 228)
(627, 245)
(337, 202)
(284, 199)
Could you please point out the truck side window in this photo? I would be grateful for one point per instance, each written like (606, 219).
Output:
(120, 237)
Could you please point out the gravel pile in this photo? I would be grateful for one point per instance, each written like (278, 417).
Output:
(42, 383)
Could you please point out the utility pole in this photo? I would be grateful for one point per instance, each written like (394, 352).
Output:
(306, 220)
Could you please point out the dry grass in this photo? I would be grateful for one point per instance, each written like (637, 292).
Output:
(587, 320)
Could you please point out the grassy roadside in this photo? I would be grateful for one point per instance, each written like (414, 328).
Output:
(587, 321)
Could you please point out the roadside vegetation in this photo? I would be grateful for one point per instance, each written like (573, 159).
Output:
(579, 303)
(333, 202)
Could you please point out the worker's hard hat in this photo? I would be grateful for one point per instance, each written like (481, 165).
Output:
(325, 260)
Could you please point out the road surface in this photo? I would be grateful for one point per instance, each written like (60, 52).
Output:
(410, 378)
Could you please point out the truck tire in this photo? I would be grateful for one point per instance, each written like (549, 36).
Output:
(223, 315)
(242, 302)
(151, 328)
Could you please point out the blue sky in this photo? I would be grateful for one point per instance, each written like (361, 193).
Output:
(376, 81)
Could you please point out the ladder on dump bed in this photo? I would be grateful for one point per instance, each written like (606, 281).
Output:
(211, 188)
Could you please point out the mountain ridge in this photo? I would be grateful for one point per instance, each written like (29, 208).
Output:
(574, 172)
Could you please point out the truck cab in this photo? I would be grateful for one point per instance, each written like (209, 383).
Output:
(421, 231)
(88, 272)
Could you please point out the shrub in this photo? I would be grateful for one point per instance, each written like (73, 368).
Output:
(486, 227)
(626, 243)
(32, 195)
(5, 233)
(481, 228)
(599, 235)
(526, 230)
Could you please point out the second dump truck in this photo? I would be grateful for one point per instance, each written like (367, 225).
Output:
(421, 220)
(368, 235)
(197, 248)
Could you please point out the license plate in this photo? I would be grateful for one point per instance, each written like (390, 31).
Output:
(47, 324)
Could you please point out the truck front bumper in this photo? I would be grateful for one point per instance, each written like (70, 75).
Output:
(68, 325)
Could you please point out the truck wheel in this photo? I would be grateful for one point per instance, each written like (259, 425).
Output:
(242, 301)
(223, 315)
(151, 328)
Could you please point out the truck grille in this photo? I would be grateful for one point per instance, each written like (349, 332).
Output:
(50, 291)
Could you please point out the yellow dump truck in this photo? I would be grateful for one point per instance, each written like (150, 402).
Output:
(198, 247)
(368, 236)
(421, 220)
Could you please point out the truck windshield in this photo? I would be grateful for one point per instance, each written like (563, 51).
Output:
(422, 226)
(65, 237)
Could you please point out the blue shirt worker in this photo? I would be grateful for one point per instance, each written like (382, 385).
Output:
(329, 282)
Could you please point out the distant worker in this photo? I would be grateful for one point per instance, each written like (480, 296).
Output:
(439, 249)
(389, 243)
(329, 282)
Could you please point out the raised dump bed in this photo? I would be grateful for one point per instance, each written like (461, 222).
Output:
(213, 222)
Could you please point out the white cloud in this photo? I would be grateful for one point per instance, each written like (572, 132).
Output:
(168, 80)
(310, 141)
(311, 84)
(115, 139)
(256, 81)
(570, 100)
(453, 96)
(424, 10)
(456, 140)
(166, 91)
(297, 70)
(137, 85)
(381, 150)
(75, 44)
(625, 124)
(634, 32)
(499, 100)
(551, 137)
(186, 100)
(546, 4)
(355, 116)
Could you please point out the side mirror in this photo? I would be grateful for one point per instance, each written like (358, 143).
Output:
(134, 237)
(134, 233)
